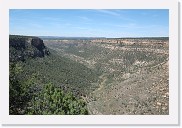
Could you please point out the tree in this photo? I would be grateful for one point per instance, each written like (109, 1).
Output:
(53, 101)
(19, 94)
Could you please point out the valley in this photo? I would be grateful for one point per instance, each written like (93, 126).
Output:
(131, 75)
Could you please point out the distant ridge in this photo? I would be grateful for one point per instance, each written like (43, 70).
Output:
(69, 38)
(87, 38)
(157, 38)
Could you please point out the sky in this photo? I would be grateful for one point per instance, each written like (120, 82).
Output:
(110, 23)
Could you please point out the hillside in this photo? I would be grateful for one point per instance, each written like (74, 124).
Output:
(34, 70)
(133, 73)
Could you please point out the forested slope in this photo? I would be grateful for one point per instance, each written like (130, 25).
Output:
(41, 82)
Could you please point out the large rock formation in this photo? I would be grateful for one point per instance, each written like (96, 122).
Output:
(22, 47)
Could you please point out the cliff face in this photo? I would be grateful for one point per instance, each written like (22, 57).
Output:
(23, 47)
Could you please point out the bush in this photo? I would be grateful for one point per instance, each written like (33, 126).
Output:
(19, 94)
(53, 101)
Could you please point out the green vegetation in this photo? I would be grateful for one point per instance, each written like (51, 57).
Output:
(29, 92)
(19, 94)
(52, 100)
(27, 97)
(62, 72)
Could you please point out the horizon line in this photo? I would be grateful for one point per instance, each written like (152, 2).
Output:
(91, 36)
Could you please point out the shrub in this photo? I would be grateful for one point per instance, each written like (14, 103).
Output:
(53, 101)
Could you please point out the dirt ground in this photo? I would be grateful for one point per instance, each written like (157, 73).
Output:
(145, 92)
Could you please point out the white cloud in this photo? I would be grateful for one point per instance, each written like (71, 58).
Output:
(84, 18)
(116, 13)
(109, 12)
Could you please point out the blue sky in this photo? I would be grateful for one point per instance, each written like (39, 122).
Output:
(90, 22)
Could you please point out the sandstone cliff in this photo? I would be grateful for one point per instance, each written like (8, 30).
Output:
(23, 47)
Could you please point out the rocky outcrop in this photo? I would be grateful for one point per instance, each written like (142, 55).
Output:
(38, 43)
(23, 47)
